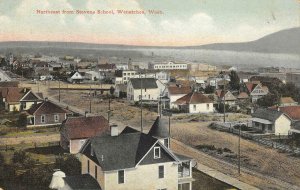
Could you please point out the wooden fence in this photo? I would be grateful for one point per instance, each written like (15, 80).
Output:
(261, 139)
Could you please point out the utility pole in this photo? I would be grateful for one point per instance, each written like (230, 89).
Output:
(90, 100)
(141, 103)
(224, 102)
(108, 113)
(239, 150)
(59, 90)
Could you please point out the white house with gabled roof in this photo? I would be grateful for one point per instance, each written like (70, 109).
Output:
(136, 161)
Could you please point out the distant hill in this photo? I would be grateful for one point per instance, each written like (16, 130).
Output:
(285, 41)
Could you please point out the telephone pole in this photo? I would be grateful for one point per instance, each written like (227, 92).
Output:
(108, 113)
(224, 102)
(59, 90)
(90, 99)
(141, 103)
(239, 150)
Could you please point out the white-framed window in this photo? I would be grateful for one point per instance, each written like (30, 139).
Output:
(207, 106)
(43, 118)
(156, 152)
(161, 172)
(88, 166)
(194, 106)
(121, 176)
(184, 186)
(56, 118)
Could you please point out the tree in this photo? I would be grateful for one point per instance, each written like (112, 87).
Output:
(68, 164)
(268, 100)
(220, 108)
(209, 90)
(111, 90)
(234, 81)
(22, 121)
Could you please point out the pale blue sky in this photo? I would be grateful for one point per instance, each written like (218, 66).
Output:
(190, 22)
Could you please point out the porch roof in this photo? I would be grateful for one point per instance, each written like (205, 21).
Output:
(259, 120)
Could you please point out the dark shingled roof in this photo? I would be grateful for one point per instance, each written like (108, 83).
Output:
(81, 182)
(30, 96)
(148, 83)
(46, 107)
(84, 127)
(128, 129)
(118, 152)
(296, 125)
(268, 114)
(159, 129)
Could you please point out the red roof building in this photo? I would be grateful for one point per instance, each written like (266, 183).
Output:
(76, 130)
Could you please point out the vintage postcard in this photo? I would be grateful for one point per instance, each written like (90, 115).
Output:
(149, 94)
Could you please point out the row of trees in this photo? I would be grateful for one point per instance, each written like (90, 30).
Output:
(24, 172)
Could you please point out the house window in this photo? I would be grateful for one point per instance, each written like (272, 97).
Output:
(194, 106)
(88, 166)
(161, 172)
(184, 186)
(156, 152)
(56, 118)
(207, 106)
(96, 172)
(270, 127)
(43, 117)
(166, 142)
(121, 176)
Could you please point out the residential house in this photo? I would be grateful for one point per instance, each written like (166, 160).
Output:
(30, 99)
(174, 92)
(94, 75)
(76, 130)
(75, 77)
(255, 90)
(46, 114)
(121, 161)
(287, 101)
(271, 121)
(145, 88)
(195, 102)
(243, 96)
(226, 96)
(213, 81)
(11, 96)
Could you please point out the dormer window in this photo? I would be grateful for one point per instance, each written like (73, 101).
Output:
(156, 152)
